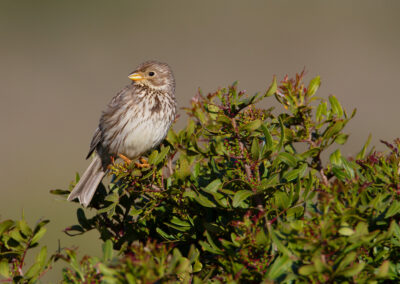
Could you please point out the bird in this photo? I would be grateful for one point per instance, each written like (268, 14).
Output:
(136, 120)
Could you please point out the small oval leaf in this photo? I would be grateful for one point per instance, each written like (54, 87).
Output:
(241, 196)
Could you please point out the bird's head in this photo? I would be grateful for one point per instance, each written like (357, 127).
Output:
(155, 75)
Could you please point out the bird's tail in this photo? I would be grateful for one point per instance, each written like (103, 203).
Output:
(87, 185)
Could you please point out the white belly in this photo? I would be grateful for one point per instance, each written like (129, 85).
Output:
(143, 137)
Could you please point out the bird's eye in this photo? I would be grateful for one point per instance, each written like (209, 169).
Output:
(151, 73)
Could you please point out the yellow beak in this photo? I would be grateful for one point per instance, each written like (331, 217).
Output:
(135, 77)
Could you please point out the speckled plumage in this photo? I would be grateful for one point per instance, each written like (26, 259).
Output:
(136, 120)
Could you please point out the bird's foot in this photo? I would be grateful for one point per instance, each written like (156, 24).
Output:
(144, 163)
(126, 159)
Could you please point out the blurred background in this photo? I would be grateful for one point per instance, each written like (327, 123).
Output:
(62, 61)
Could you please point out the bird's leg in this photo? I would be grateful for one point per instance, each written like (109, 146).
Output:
(126, 159)
(144, 163)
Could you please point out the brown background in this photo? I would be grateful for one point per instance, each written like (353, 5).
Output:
(62, 61)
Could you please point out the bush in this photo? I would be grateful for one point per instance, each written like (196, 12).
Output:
(242, 195)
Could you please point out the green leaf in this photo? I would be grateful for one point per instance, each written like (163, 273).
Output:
(241, 196)
(108, 272)
(361, 154)
(295, 212)
(333, 129)
(41, 257)
(190, 128)
(152, 157)
(255, 149)
(130, 278)
(277, 242)
(321, 110)
(272, 89)
(160, 157)
(74, 263)
(290, 175)
(279, 267)
(212, 243)
(221, 199)
(294, 174)
(352, 114)
(77, 177)
(164, 234)
(268, 138)
(393, 209)
(348, 167)
(33, 271)
(355, 269)
(252, 126)
(261, 238)
(281, 200)
(5, 225)
(113, 196)
(179, 222)
(248, 101)
(224, 119)
(341, 138)
(346, 231)
(318, 263)
(307, 269)
(345, 261)
(204, 201)
(383, 269)
(310, 153)
(197, 266)
(282, 139)
(288, 159)
(83, 221)
(183, 170)
(213, 110)
(16, 235)
(336, 158)
(335, 106)
(270, 182)
(339, 173)
(313, 86)
(183, 265)
(24, 228)
(107, 250)
(213, 186)
(4, 268)
(178, 228)
(59, 192)
(172, 138)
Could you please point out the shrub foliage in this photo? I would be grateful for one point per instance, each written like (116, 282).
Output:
(241, 194)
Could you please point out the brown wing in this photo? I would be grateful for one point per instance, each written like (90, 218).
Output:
(107, 119)
(95, 141)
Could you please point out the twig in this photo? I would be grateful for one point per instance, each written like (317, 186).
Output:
(156, 188)
(169, 164)
(21, 264)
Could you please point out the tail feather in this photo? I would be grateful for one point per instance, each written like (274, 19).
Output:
(87, 185)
